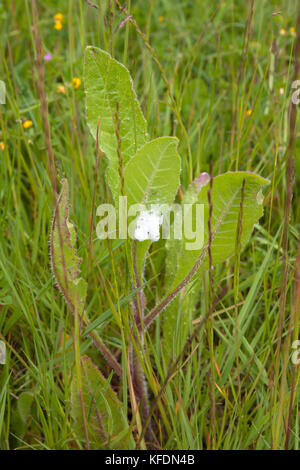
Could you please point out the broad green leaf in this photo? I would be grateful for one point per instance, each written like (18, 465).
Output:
(21, 420)
(152, 177)
(106, 425)
(226, 199)
(64, 261)
(111, 99)
(24, 405)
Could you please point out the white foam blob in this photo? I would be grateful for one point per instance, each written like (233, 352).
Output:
(147, 225)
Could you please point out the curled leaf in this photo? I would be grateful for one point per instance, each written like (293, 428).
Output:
(65, 263)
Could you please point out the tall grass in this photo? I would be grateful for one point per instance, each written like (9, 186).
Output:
(218, 76)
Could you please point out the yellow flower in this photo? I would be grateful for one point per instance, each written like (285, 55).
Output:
(58, 17)
(61, 89)
(282, 31)
(161, 19)
(58, 25)
(292, 31)
(249, 112)
(2, 146)
(27, 124)
(76, 82)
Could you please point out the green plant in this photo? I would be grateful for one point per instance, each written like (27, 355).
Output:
(147, 172)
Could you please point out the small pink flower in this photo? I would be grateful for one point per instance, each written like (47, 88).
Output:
(200, 181)
(47, 57)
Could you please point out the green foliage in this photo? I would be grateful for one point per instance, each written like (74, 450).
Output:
(152, 175)
(111, 101)
(104, 424)
(64, 261)
(226, 197)
(24, 405)
(65, 266)
(232, 91)
(177, 317)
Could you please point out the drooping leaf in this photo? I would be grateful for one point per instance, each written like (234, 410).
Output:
(152, 177)
(65, 263)
(111, 99)
(226, 198)
(105, 422)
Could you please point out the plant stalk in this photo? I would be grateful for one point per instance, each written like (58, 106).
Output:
(138, 376)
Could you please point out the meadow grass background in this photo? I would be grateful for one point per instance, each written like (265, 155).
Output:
(230, 68)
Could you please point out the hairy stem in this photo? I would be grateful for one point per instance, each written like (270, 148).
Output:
(138, 376)
(141, 389)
